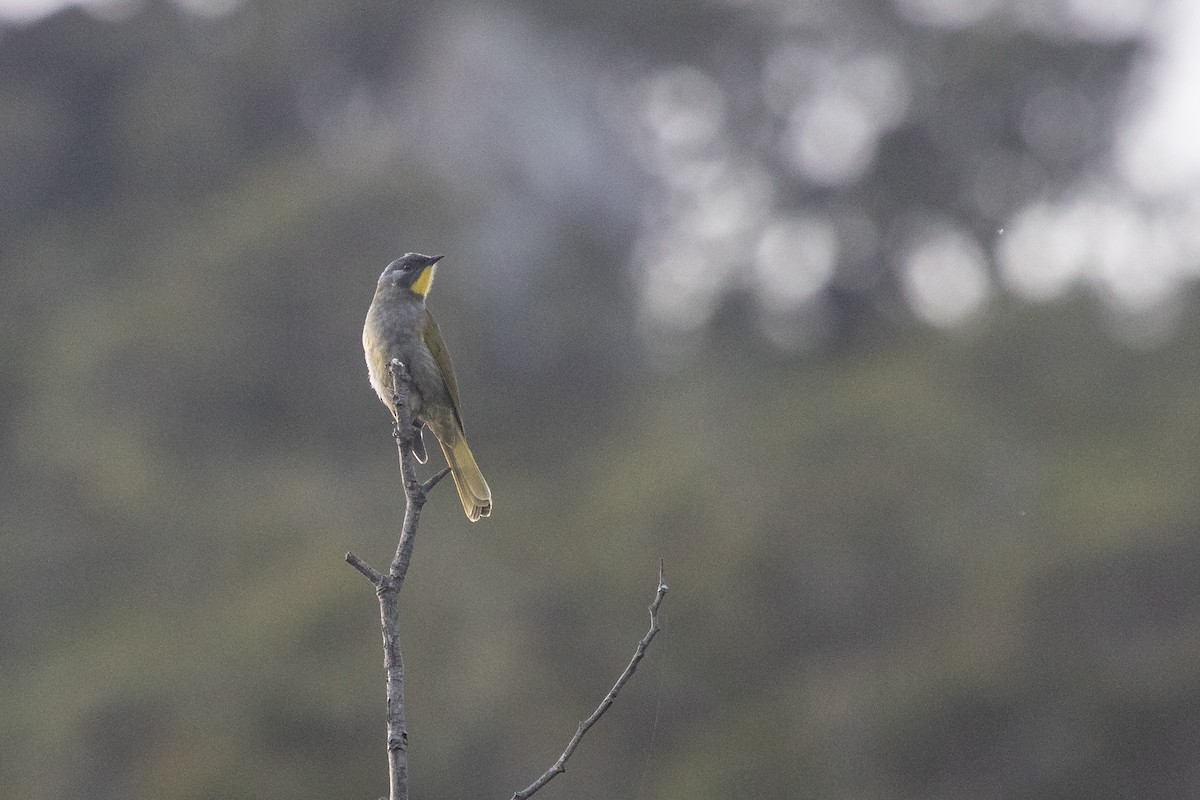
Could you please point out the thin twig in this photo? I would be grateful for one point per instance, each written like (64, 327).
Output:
(560, 766)
(428, 485)
(387, 586)
(366, 569)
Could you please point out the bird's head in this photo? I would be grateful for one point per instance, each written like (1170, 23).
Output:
(412, 271)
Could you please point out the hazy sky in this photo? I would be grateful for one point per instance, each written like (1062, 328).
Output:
(31, 9)
(26, 10)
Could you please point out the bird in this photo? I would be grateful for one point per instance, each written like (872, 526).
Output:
(399, 326)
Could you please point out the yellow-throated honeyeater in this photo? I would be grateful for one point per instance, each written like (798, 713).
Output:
(400, 326)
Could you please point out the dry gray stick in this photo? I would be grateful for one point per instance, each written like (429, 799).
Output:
(561, 765)
(387, 585)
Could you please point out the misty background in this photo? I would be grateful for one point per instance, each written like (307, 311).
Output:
(875, 319)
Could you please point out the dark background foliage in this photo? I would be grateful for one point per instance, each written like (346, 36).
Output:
(873, 319)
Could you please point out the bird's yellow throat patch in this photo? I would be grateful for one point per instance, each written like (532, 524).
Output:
(424, 280)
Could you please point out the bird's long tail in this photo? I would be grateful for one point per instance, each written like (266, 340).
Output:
(473, 490)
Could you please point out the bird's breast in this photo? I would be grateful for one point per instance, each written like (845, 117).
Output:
(393, 330)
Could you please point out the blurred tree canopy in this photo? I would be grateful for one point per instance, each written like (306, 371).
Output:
(744, 285)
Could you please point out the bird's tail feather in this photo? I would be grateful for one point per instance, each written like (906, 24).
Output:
(473, 490)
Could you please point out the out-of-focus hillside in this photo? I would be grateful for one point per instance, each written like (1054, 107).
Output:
(907, 560)
(922, 566)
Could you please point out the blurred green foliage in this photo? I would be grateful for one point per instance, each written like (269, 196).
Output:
(906, 564)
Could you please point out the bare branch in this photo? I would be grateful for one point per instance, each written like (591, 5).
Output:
(387, 586)
(560, 766)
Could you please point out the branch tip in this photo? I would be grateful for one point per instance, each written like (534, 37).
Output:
(369, 572)
(428, 485)
(560, 765)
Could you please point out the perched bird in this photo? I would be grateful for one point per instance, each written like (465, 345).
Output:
(399, 326)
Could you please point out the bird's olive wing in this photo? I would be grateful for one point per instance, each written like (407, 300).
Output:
(437, 347)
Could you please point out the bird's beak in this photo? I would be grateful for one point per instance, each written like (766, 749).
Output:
(433, 260)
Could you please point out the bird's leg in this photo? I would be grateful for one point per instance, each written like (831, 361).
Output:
(418, 444)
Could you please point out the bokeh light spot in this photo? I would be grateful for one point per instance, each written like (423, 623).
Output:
(831, 141)
(684, 107)
(1039, 257)
(682, 288)
(945, 276)
(794, 260)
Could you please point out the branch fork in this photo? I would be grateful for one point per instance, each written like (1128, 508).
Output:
(387, 588)
(388, 584)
